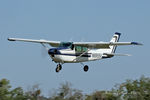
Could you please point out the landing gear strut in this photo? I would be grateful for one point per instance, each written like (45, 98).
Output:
(86, 68)
(58, 68)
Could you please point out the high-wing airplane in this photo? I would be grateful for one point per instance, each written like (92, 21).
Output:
(79, 52)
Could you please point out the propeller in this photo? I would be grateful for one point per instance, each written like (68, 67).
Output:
(44, 51)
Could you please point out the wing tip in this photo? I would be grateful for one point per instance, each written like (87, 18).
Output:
(10, 39)
(136, 43)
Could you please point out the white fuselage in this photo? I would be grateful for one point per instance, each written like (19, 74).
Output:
(71, 56)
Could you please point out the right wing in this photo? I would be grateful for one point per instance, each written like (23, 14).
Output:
(52, 43)
(106, 45)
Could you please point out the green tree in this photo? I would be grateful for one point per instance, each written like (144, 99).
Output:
(6, 93)
(4, 89)
(34, 93)
(134, 89)
(18, 94)
(102, 95)
(65, 92)
(130, 90)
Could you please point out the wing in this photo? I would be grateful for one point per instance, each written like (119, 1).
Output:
(52, 43)
(97, 45)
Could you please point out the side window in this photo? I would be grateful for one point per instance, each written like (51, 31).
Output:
(80, 49)
(84, 49)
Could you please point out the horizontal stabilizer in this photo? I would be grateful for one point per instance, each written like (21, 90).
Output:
(116, 54)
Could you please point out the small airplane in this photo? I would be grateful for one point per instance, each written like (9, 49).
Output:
(79, 52)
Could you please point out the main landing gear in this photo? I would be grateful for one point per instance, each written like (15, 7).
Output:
(86, 68)
(58, 68)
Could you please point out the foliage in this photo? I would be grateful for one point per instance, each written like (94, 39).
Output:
(65, 92)
(16, 94)
(4, 89)
(130, 90)
(135, 89)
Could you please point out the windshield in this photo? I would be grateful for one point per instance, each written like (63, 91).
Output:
(66, 44)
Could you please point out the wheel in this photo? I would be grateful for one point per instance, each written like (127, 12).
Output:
(58, 68)
(86, 68)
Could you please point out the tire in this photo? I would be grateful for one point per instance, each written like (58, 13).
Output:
(58, 68)
(86, 68)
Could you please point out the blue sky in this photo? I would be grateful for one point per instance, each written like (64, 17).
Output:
(73, 20)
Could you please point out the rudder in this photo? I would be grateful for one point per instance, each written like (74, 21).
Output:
(115, 38)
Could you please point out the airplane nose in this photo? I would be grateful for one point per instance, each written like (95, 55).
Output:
(55, 50)
(52, 51)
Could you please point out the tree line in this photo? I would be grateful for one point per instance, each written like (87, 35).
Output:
(138, 89)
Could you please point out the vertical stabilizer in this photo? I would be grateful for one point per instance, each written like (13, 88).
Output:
(115, 38)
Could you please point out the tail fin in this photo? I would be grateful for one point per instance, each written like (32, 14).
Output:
(115, 38)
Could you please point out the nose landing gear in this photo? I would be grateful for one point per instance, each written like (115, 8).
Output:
(58, 68)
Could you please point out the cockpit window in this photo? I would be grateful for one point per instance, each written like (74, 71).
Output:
(66, 44)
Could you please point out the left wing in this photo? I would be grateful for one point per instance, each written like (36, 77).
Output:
(97, 45)
(52, 43)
